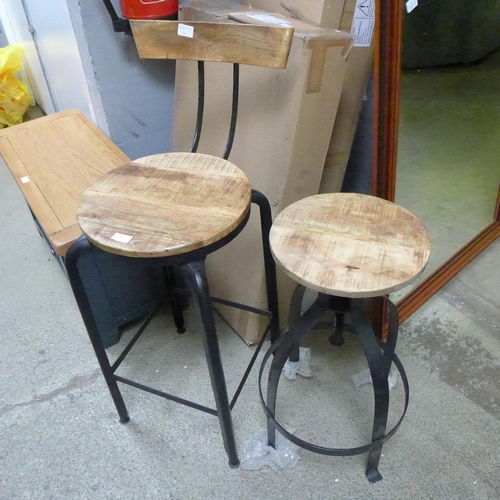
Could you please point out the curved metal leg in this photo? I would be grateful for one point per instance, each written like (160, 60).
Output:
(194, 273)
(77, 250)
(392, 335)
(173, 298)
(277, 365)
(282, 350)
(379, 365)
(269, 264)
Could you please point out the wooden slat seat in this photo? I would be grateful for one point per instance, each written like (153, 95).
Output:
(54, 159)
(165, 205)
(349, 244)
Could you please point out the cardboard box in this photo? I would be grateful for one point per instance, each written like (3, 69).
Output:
(285, 122)
(338, 14)
(356, 79)
(325, 13)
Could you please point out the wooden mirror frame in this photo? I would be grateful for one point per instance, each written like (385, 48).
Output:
(388, 32)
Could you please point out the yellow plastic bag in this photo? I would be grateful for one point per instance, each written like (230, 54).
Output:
(14, 95)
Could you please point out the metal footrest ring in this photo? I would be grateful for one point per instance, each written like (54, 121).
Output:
(334, 451)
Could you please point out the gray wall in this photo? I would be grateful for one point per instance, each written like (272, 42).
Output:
(136, 95)
(359, 172)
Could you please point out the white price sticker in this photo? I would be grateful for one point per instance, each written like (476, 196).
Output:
(185, 30)
(24, 180)
(122, 238)
(363, 23)
(410, 5)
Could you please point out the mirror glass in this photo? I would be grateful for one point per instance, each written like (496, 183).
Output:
(448, 168)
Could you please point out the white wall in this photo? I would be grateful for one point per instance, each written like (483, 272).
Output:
(58, 51)
(16, 30)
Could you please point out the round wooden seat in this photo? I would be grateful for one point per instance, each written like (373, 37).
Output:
(349, 244)
(164, 205)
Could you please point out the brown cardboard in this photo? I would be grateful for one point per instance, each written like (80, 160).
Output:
(284, 127)
(351, 101)
(334, 14)
(326, 13)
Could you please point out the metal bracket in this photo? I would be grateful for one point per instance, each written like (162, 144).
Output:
(120, 25)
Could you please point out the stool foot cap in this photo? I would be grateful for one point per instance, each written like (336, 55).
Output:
(373, 476)
(235, 465)
(335, 340)
(181, 330)
(124, 420)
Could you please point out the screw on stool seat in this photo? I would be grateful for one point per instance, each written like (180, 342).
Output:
(346, 246)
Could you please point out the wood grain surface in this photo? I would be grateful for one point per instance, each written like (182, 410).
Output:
(349, 244)
(266, 46)
(60, 155)
(164, 205)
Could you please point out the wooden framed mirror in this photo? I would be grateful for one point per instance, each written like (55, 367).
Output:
(391, 85)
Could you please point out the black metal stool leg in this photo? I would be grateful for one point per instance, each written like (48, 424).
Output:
(277, 365)
(382, 368)
(282, 350)
(194, 273)
(337, 337)
(173, 298)
(379, 368)
(269, 264)
(294, 315)
(392, 336)
(77, 250)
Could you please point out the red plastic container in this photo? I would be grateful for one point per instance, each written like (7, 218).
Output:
(149, 9)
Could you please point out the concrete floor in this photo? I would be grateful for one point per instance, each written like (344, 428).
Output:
(60, 437)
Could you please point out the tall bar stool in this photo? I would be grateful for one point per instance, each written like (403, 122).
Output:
(347, 247)
(172, 210)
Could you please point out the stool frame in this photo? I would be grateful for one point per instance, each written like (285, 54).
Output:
(380, 356)
(192, 267)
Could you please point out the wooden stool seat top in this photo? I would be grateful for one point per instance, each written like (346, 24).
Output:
(349, 244)
(164, 205)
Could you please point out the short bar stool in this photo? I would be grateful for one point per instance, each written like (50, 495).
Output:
(347, 247)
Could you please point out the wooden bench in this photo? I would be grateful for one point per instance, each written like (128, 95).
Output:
(54, 159)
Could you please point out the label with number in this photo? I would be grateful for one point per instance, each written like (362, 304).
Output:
(185, 30)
